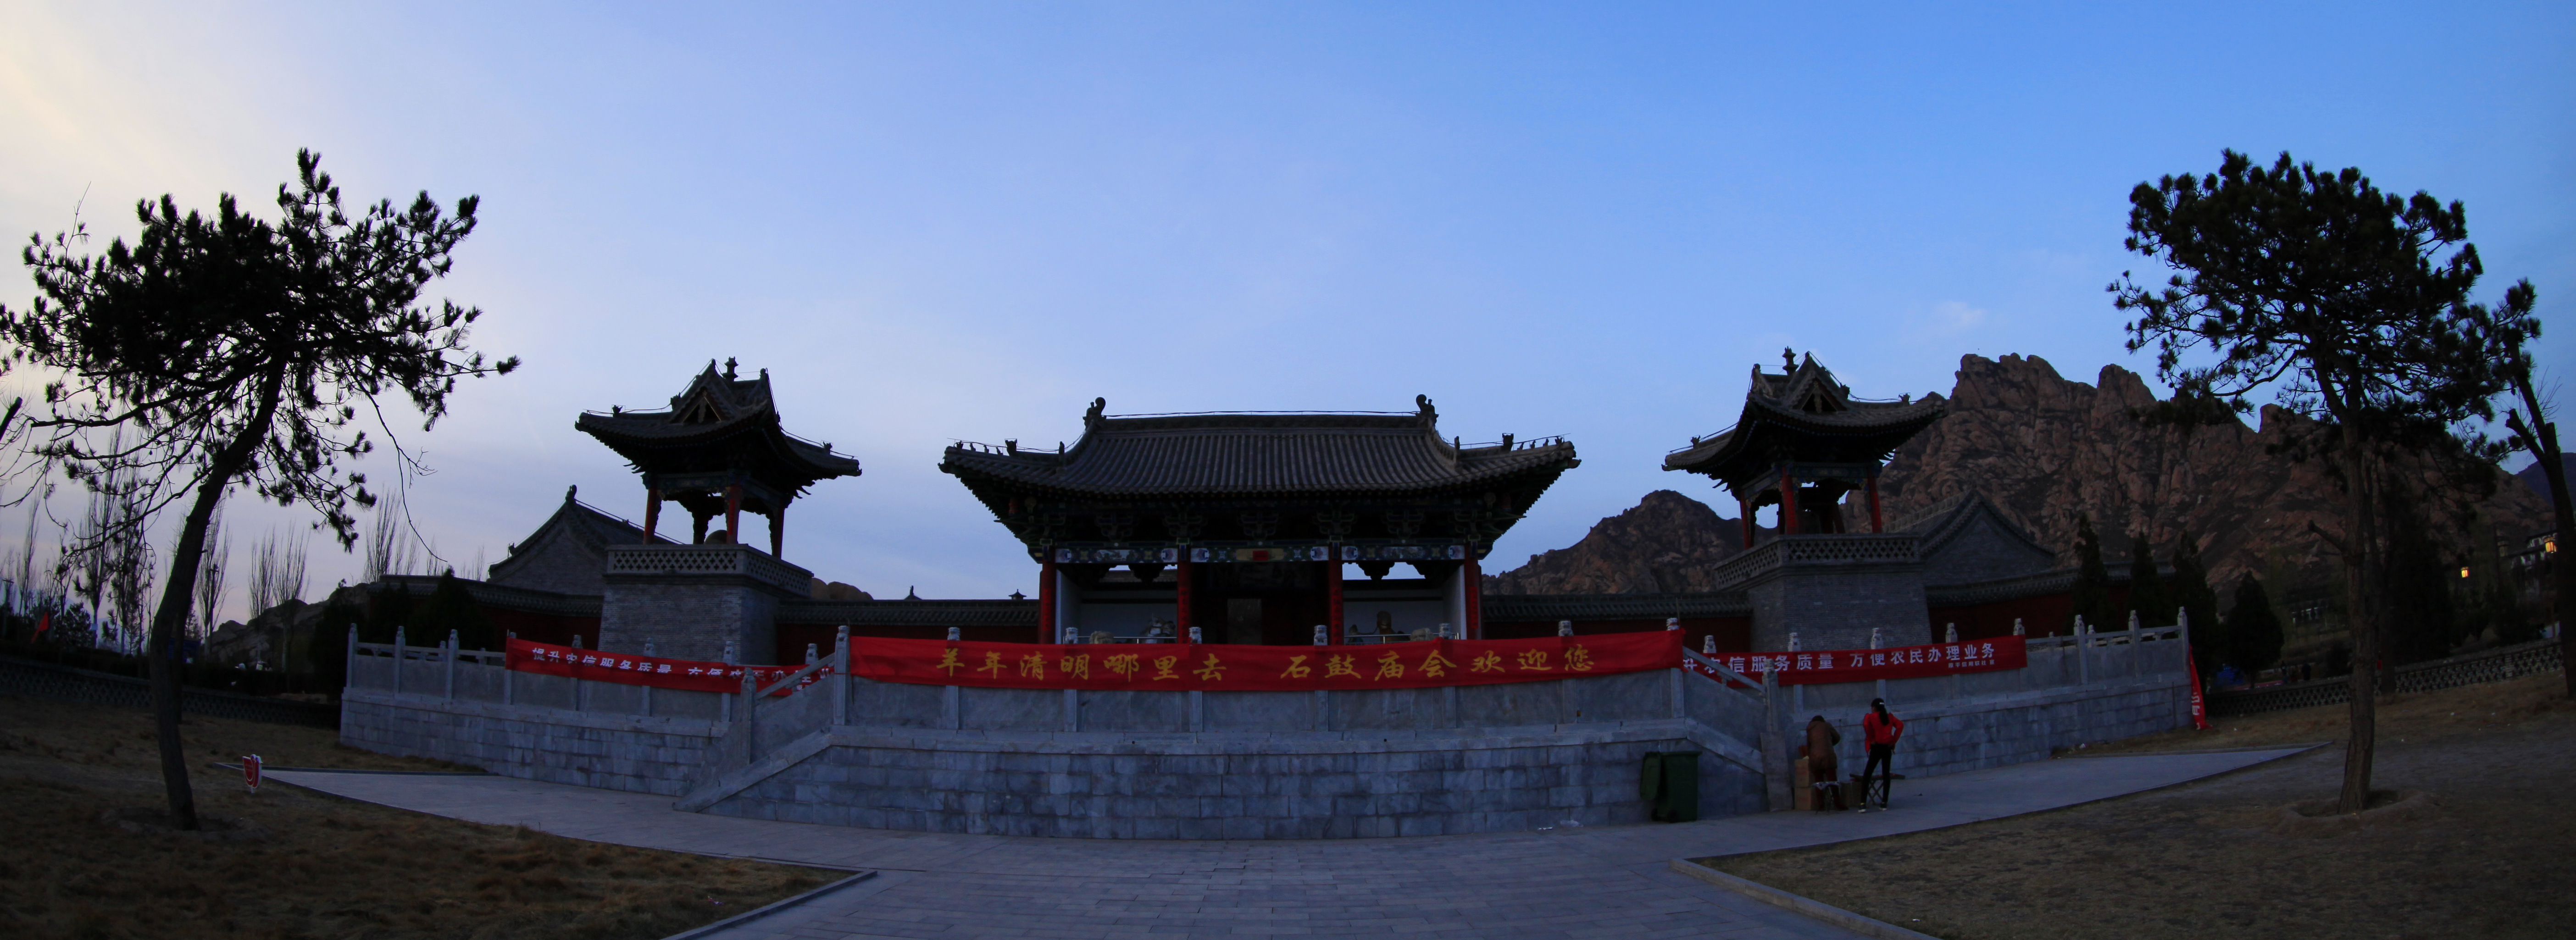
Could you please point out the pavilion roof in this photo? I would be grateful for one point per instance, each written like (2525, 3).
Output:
(1804, 414)
(717, 420)
(1251, 454)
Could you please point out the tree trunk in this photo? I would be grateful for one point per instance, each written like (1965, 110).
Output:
(172, 613)
(2561, 569)
(2541, 438)
(2360, 547)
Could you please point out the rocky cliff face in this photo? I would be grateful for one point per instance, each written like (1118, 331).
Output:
(2047, 449)
(2537, 478)
(1669, 542)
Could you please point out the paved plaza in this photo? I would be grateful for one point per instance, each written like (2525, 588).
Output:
(1566, 882)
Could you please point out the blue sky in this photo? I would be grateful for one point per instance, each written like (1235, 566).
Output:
(961, 220)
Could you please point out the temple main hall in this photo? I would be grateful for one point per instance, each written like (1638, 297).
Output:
(1241, 526)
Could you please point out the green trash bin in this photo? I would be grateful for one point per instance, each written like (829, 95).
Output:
(1670, 785)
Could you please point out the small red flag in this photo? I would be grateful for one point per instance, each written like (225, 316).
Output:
(44, 621)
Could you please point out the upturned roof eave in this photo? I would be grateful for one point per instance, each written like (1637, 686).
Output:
(1731, 445)
(973, 472)
(637, 448)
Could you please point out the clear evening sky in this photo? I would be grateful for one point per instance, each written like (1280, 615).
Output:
(962, 220)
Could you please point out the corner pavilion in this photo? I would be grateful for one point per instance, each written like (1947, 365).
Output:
(718, 450)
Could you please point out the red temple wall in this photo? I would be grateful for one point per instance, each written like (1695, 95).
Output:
(792, 637)
(543, 628)
(2044, 615)
(1734, 634)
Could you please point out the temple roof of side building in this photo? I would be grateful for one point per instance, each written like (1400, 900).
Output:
(1803, 414)
(505, 596)
(714, 423)
(1968, 538)
(568, 553)
(1262, 454)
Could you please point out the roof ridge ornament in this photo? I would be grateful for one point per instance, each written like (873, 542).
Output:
(1422, 406)
(1093, 416)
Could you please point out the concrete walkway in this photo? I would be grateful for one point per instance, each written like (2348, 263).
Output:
(1566, 882)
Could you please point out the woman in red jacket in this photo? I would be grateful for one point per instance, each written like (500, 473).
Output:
(1881, 730)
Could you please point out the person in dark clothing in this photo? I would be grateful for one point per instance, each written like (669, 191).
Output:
(1823, 769)
(1881, 730)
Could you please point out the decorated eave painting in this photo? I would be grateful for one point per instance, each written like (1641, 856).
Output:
(1260, 487)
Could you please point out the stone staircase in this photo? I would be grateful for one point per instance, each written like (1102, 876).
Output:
(772, 733)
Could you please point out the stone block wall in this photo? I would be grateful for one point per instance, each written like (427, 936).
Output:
(1957, 737)
(1834, 607)
(1310, 788)
(1980, 720)
(616, 752)
(1231, 764)
(690, 621)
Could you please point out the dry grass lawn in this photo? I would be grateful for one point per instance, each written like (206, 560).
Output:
(327, 867)
(2205, 859)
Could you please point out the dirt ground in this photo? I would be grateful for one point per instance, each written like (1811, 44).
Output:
(327, 868)
(2207, 859)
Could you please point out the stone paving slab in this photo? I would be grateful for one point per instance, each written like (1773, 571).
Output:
(1563, 882)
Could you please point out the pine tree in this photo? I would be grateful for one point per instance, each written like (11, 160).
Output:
(389, 606)
(2417, 625)
(244, 351)
(2147, 594)
(2253, 629)
(2348, 305)
(2192, 593)
(2092, 600)
(450, 608)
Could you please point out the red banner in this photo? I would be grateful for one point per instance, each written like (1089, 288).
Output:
(2199, 706)
(1159, 666)
(1163, 666)
(660, 673)
(1817, 667)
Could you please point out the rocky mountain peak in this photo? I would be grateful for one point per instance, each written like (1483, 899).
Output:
(2048, 450)
(1668, 542)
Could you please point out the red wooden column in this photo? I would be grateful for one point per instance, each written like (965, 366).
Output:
(1745, 507)
(1333, 598)
(1875, 523)
(778, 533)
(1474, 628)
(1186, 573)
(652, 513)
(1046, 601)
(733, 514)
(1788, 504)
